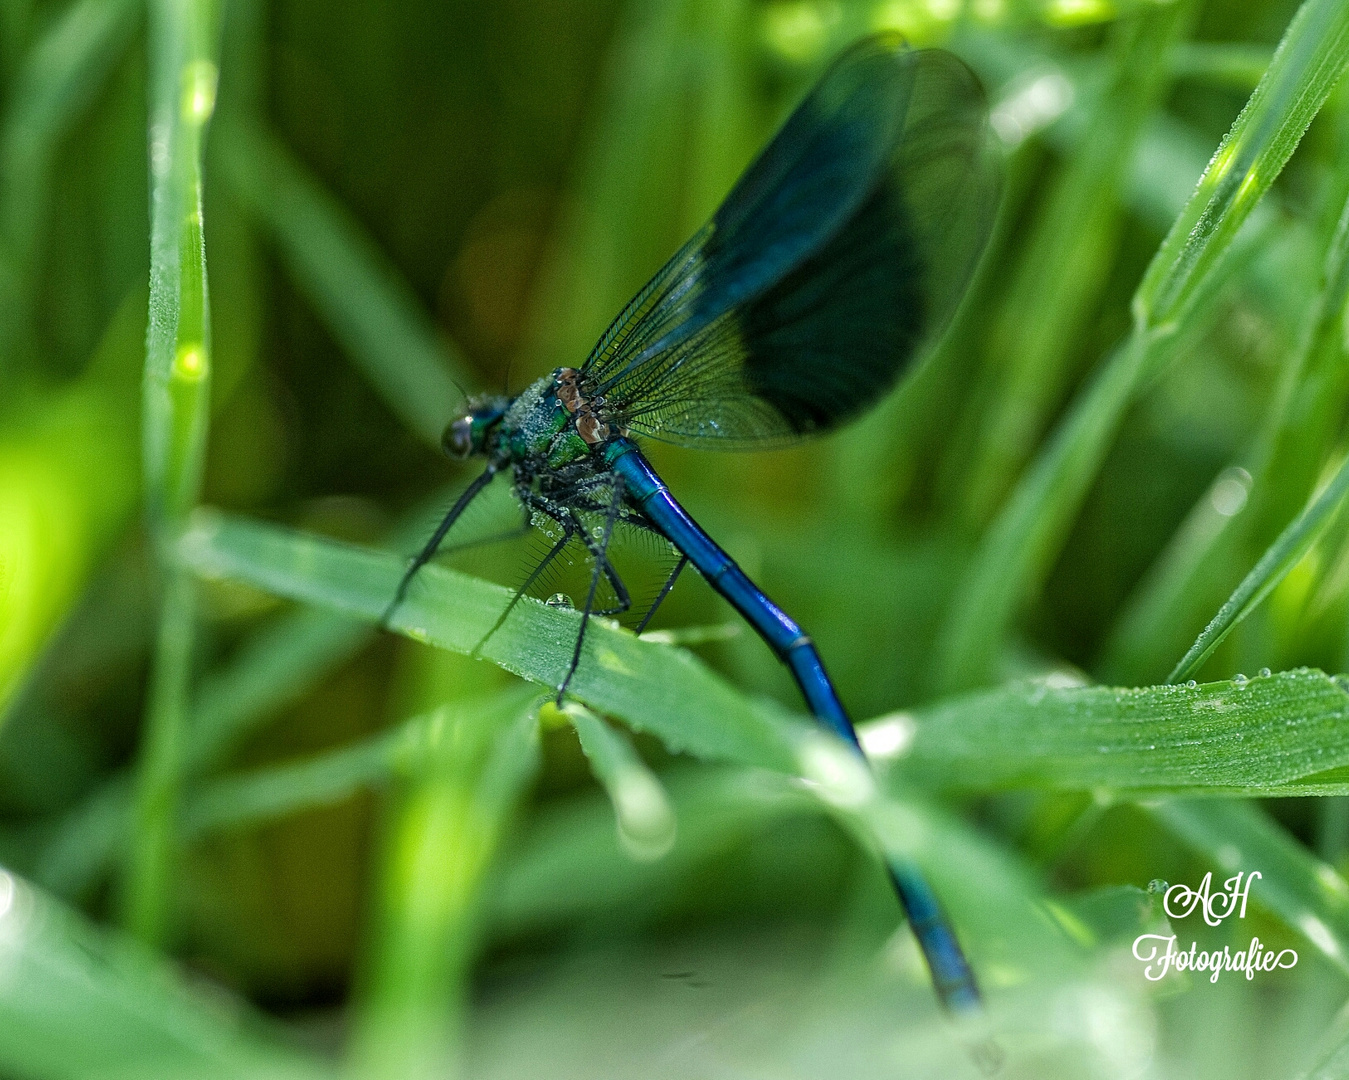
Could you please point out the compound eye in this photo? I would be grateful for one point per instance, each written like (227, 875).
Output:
(458, 438)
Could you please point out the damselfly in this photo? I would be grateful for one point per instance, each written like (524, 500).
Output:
(835, 261)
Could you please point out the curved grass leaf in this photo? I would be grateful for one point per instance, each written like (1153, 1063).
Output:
(277, 665)
(367, 306)
(1239, 66)
(1309, 61)
(1020, 547)
(650, 687)
(1205, 558)
(1257, 735)
(1293, 543)
(76, 1001)
(333, 776)
(644, 819)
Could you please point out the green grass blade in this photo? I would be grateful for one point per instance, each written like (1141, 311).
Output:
(642, 812)
(1256, 735)
(367, 306)
(1204, 559)
(85, 840)
(442, 842)
(62, 73)
(1058, 281)
(1295, 541)
(1020, 548)
(1309, 896)
(176, 411)
(278, 665)
(331, 777)
(1222, 63)
(620, 674)
(79, 1002)
(1308, 63)
(280, 790)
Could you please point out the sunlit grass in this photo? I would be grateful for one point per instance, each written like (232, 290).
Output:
(1130, 446)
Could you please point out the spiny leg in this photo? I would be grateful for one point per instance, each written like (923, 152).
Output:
(664, 592)
(568, 531)
(581, 499)
(428, 552)
(599, 551)
(602, 567)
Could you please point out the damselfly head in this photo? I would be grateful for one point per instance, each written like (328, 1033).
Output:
(467, 435)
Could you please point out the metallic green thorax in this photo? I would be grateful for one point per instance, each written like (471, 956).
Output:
(536, 426)
(539, 425)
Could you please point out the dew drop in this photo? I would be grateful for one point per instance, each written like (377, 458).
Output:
(1265, 673)
(559, 600)
(1192, 683)
(1157, 885)
(1239, 680)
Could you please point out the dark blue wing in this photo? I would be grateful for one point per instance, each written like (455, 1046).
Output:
(837, 257)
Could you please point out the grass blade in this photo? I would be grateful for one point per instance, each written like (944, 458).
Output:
(642, 814)
(63, 72)
(78, 1002)
(325, 779)
(1256, 735)
(1203, 561)
(443, 840)
(1057, 283)
(1020, 547)
(367, 306)
(1308, 63)
(620, 674)
(175, 416)
(1295, 541)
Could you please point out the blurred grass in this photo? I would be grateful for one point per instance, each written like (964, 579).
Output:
(1138, 415)
(175, 415)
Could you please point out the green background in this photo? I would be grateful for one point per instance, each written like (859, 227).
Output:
(251, 258)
